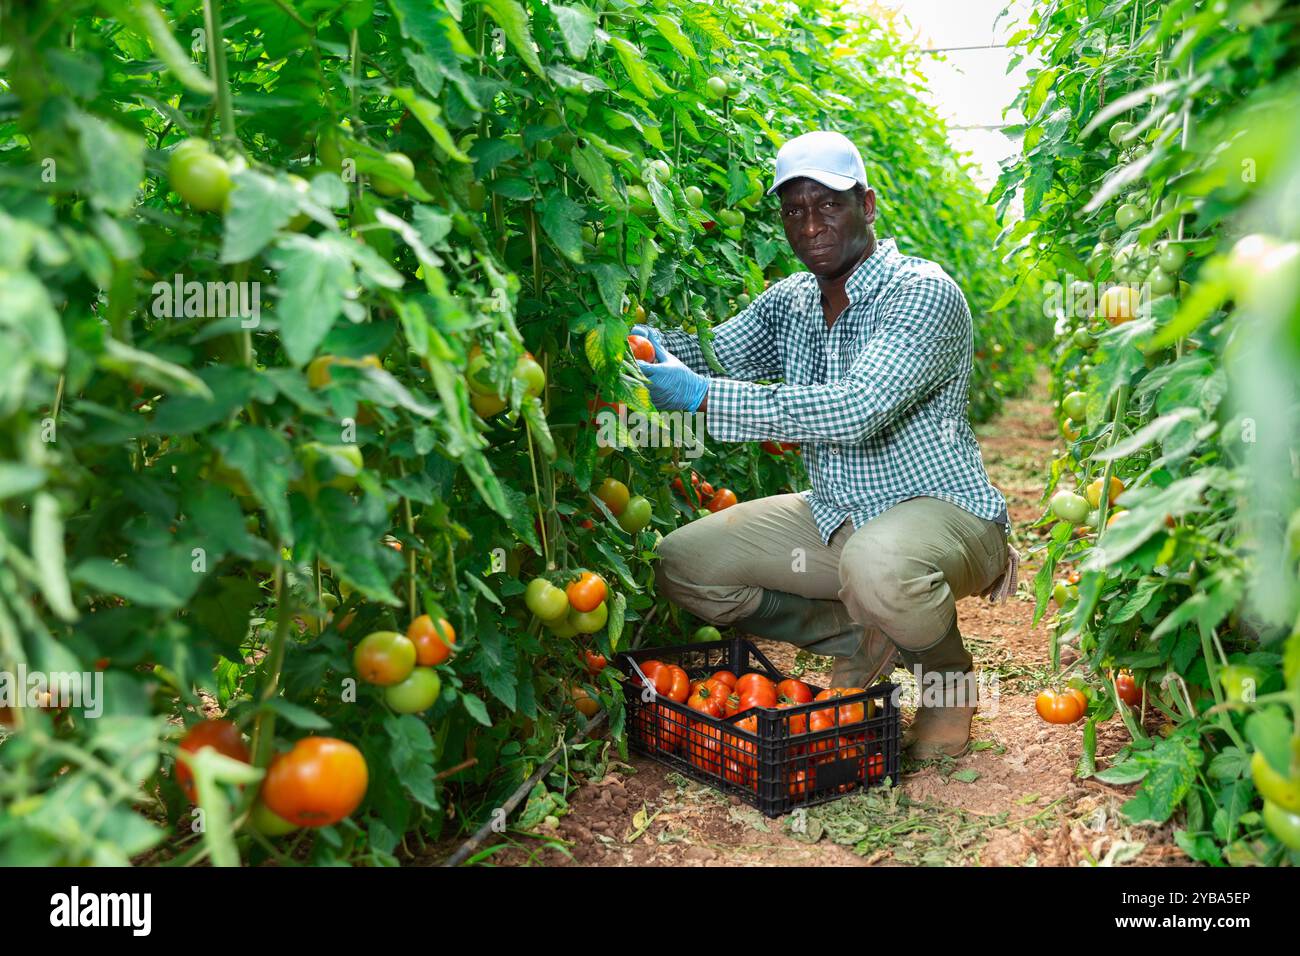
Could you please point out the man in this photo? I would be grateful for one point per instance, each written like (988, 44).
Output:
(873, 350)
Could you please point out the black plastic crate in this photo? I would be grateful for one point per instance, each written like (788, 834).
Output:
(776, 766)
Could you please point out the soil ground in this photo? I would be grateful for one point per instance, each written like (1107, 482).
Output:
(1012, 801)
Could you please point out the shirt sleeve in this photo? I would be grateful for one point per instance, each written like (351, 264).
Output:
(745, 344)
(923, 337)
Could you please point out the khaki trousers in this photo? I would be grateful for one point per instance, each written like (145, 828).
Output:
(902, 572)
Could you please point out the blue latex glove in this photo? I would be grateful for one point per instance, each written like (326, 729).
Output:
(673, 386)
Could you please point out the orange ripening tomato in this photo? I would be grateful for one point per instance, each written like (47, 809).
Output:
(319, 782)
(798, 784)
(586, 593)
(798, 722)
(1062, 708)
(432, 640)
(222, 736)
(643, 349)
(849, 713)
(795, 691)
(723, 498)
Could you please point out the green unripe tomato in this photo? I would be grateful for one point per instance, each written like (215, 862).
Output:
(415, 694)
(1083, 339)
(636, 515)
(1070, 507)
(717, 87)
(476, 196)
(1118, 131)
(694, 196)
(638, 198)
(561, 627)
(1283, 824)
(1064, 593)
(1171, 257)
(1161, 281)
(545, 600)
(589, 622)
(706, 633)
(391, 183)
(544, 149)
(589, 235)
(200, 177)
(1127, 215)
(267, 822)
(476, 376)
(1282, 790)
(731, 218)
(1075, 405)
(1108, 233)
(743, 300)
(528, 371)
(660, 170)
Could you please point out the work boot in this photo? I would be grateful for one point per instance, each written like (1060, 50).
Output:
(821, 626)
(876, 658)
(941, 727)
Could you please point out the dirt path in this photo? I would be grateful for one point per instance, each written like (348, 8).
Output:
(1012, 801)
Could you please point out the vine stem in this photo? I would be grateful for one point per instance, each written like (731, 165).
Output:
(217, 68)
(264, 725)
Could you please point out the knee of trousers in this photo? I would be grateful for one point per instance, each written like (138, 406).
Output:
(678, 577)
(906, 597)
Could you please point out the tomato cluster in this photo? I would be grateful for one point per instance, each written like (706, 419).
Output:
(703, 495)
(578, 608)
(403, 664)
(732, 757)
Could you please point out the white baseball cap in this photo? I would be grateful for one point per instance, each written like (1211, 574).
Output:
(823, 155)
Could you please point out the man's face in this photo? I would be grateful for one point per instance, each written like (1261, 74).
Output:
(826, 229)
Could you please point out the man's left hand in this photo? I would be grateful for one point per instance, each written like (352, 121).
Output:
(673, 386)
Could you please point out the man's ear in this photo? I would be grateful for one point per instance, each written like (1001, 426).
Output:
(869, 206)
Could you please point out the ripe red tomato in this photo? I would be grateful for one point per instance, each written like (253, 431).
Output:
(679, 687)
(798, 784)
(595, 662)
(586, 593)
(848, 713)
(794, 690)
(704, 748)
(1129, 692)
(659, 676)
(726, 677)
(798, 723)
(724, 498)
(222, 736)
(751, 680)
(708, 697)
(1063, 708)
(772, 448)
(432, 640)
(317, 783)
(706, 489)
(642, 348)
(757, 695)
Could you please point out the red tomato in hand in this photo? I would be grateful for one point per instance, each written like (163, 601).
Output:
(643, 349)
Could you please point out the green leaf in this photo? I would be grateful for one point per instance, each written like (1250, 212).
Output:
(635, 65)
(513, 20)
(301, 717)
(163, 41)
(562, 220)
(595, 170)
(116, 579)
(225, 614)
(149, 368)
(47, 550)
(315, 277)
(259, 208)
(577, 26)
(475, 707)
(265, 461)
(429, 115)
(671, 31)
(410, 754)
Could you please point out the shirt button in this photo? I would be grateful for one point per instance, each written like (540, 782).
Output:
(835, 451)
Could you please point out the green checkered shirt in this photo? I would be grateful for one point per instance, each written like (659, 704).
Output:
(878, 401)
